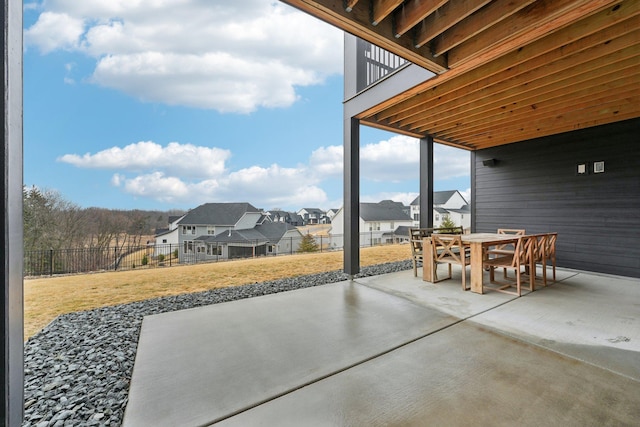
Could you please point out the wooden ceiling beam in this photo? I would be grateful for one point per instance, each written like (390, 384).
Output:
(497, 140)
(562, 88)
(524, 27)
(603, 27)
(357, 22)
(528, 82)
(349, 4)
(446, 17)
(620, 87)
(534, 105)
(382, 9)
(382, 126)
(557, 128)
(492, 14)
(414, 11)
(602, 59)
(620, 109)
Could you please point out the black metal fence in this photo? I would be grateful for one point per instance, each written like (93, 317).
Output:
(85, 260)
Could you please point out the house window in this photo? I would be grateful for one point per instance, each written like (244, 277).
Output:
(391, 225)
(214, 249)
(188, 229)
(211, 230)
(437, 218)
(416, 217)
(187, 247)
(164, 240)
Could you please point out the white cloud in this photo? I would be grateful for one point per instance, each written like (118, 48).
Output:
(188, 175)
(55, 31)
(466, 194)
(233, 56)
(185, 174)
(178, 159)
(328, 161)
(396, 159)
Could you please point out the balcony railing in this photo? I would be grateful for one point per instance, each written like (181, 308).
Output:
(374, 63)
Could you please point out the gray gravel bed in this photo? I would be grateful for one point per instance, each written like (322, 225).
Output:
(77, 369)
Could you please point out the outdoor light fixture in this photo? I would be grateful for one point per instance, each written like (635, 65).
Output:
(490, 162)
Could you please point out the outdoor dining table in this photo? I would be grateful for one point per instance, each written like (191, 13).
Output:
(476, 241)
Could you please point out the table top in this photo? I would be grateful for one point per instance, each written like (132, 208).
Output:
(488, 237)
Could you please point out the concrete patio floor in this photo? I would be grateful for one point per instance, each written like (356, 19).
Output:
(395, 350)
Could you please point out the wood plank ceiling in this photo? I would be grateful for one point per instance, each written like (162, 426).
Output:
(507, 70)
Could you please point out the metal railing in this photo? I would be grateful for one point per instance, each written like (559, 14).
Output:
(51, 262)
(374, 63)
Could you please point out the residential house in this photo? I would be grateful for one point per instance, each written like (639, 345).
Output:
(267, 238)
(312, 216)
(377, 220)
(280, 216)
(209, 219)
(331, 213)
(226, 230)
(446, 204)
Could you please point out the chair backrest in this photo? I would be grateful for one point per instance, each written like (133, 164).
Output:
(526, 250)
(514, 231)
(517, 232)
(550, 245)
(447, 246)
(539, 247)
(416, 236)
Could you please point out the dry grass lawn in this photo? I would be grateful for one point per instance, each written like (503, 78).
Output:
(47, 298)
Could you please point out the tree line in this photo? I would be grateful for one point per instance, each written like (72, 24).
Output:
(52, 222)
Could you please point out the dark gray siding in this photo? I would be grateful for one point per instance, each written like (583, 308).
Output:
(535, 186)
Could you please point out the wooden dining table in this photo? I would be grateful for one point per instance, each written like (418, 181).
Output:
(477, 242)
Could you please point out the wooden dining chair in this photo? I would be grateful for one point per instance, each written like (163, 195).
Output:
(416, 238)
(449, 249)
(549, 255)
(507, 248)
(518, 260)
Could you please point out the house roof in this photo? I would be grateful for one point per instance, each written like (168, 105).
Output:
(162, 231)
(173, 218)
(402, 230)
(383, 211)
(439, 197)
(466, 209)
(315, 211)
(217, 214)
(262, 233)
(250, 235)
(274, 231)
(503, 71)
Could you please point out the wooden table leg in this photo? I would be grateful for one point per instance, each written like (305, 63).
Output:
(476, 267)
(427, 261)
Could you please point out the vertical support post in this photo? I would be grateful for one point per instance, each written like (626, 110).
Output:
(351, 196)
(473, 191)
(11, 249)
(426, 182)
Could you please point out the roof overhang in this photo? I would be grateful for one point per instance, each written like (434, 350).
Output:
(506, 70)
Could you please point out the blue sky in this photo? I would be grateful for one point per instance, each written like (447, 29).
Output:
(163, 105)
